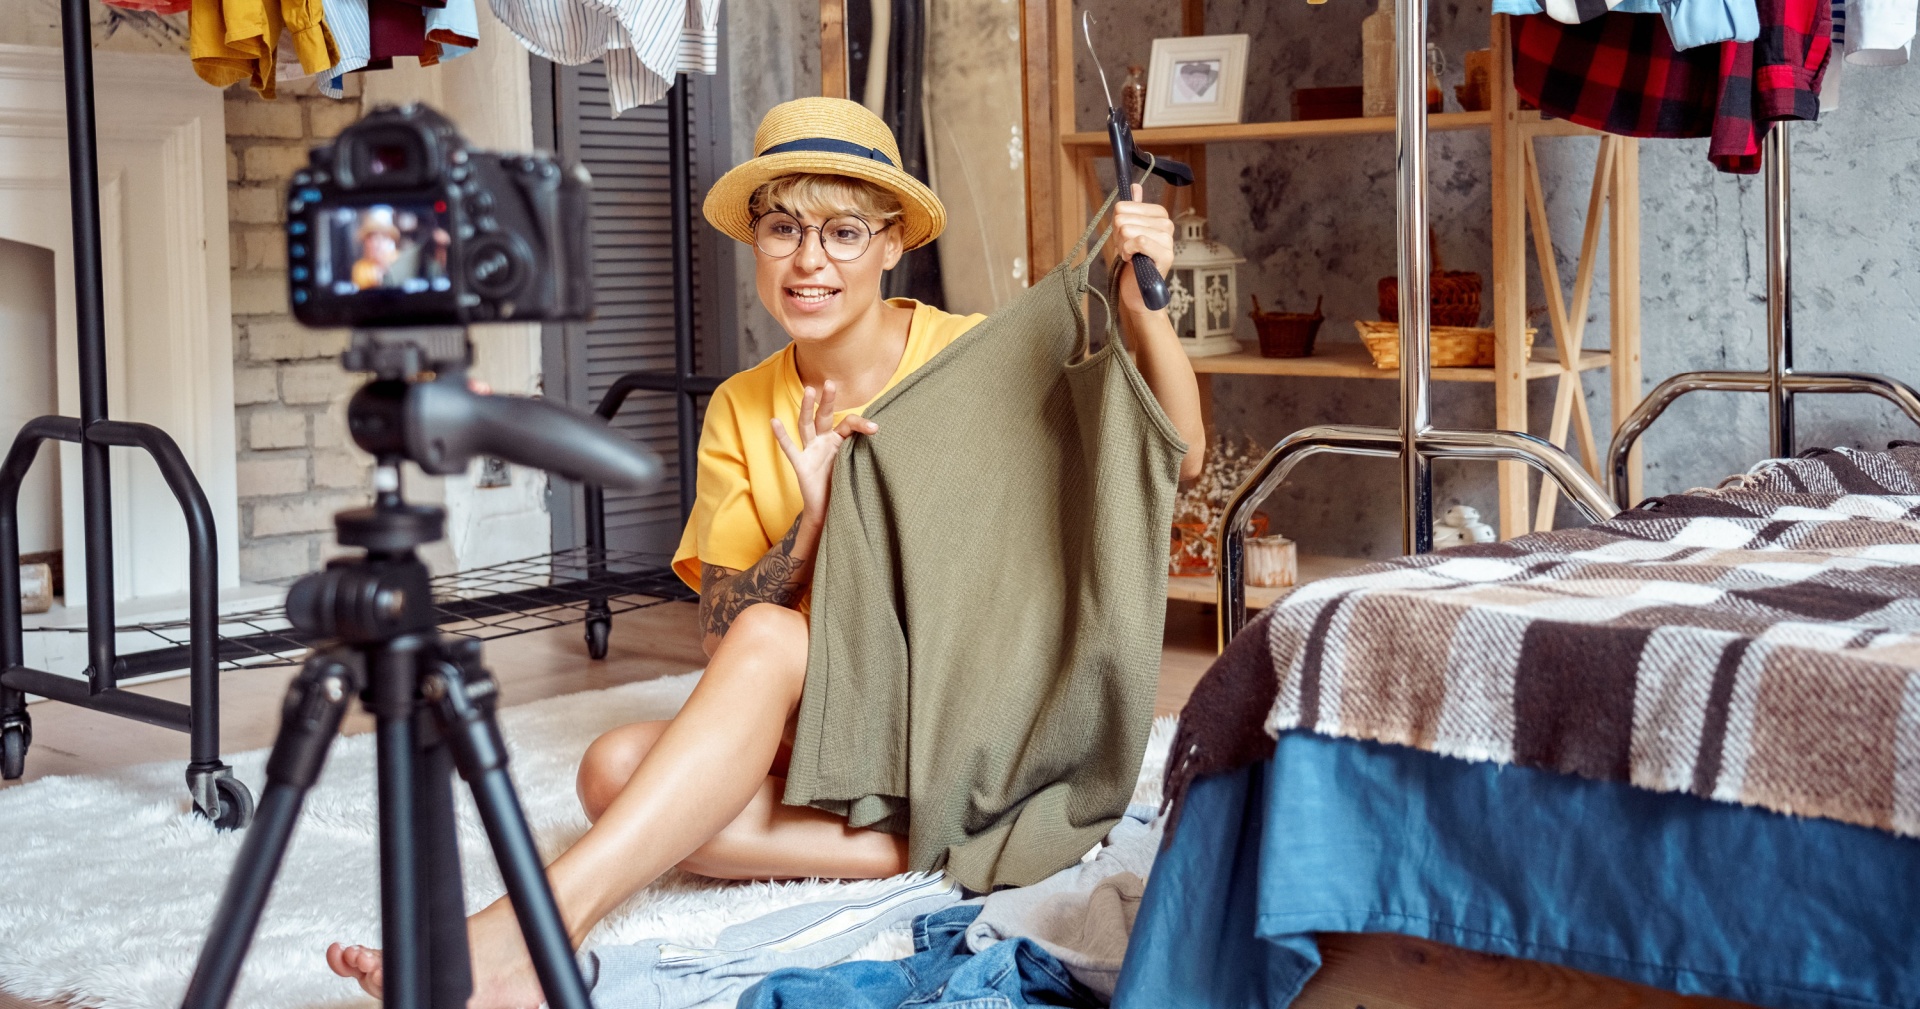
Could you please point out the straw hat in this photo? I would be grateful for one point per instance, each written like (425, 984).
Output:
(824, 136)
(377, 220)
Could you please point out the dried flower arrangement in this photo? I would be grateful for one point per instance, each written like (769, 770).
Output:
(1201, 505)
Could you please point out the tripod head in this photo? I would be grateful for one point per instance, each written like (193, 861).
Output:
(441, 424)
(418, 408)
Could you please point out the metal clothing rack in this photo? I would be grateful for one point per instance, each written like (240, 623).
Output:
(1780, 381)
(216, 793)
(521, 596)
(686, 386)
(1415, 442)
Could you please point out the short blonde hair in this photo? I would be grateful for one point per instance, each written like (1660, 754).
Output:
(826, 196)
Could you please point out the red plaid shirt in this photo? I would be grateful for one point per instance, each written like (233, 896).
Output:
(1620, 73)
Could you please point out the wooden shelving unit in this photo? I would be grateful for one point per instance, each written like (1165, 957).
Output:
(1350, 360)
(1165, 135)
(1062, 191)
(1312, 568)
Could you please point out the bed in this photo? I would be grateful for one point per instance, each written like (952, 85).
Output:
(1680, 748)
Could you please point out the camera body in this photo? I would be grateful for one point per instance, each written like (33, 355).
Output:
(399, 222)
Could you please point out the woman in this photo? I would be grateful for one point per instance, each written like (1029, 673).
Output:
(827, 214)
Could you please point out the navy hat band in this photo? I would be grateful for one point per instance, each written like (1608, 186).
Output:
(825, 145)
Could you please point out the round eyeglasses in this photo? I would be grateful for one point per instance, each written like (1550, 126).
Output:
(844, 239)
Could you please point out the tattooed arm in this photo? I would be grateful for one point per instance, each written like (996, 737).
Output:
(780, 577)
(782, 574)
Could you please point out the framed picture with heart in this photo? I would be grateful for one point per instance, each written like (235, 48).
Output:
(1196, 80)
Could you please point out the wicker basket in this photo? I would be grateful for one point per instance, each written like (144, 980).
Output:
(1454, 295)
(1286, 334)
(1453, 346)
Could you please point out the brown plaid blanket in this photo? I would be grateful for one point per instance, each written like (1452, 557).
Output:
(1757, 643)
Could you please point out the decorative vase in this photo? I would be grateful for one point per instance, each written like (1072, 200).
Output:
(1436, 68)
(1272, 562)
(1192, 547)
(1133, 96)
(1473, 94)
(1191, 554)
(1376, 61)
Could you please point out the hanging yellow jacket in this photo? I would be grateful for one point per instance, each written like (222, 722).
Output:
(234, 40)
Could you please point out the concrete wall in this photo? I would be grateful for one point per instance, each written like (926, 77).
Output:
(772, 56)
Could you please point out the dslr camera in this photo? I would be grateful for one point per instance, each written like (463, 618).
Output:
(400, 223)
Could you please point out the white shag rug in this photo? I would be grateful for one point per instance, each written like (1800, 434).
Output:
(108, 881)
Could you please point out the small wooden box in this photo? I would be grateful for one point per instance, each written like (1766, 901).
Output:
(1326, 103)
(36, 588)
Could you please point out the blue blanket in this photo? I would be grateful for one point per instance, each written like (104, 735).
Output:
(1668, 890)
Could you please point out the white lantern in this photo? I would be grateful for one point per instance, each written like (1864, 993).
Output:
(1204, 289)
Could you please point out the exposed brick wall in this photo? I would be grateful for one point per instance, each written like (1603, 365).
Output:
(296, 465)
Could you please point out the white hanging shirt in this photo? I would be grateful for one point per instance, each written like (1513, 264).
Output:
(1879, 32)
(646, 42)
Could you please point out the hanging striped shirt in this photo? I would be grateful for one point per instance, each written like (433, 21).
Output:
(646, 42)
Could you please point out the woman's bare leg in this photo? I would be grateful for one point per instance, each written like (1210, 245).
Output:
(708, 767)
(768, 840)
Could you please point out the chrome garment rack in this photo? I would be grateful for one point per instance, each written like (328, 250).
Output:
(1780, 381)
(1415, 442)
(216, 793)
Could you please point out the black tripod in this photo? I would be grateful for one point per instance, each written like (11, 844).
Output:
(432, 700)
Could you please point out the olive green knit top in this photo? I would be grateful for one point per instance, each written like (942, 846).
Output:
(989, 596)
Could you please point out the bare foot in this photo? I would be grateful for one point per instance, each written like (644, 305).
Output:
(503, 976)
(357, 962)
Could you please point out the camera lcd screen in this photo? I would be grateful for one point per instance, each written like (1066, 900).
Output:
(382, 247)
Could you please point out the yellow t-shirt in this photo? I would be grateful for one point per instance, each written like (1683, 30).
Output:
(747, 495)
(234, 40)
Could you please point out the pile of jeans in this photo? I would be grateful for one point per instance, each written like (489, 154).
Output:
(1056, 943)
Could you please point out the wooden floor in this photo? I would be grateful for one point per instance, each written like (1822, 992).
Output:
(1370, 971)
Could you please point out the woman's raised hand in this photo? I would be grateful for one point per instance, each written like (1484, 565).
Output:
(812, 459)
(1140, 227)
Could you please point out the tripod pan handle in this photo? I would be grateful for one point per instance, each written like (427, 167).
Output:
(448, 424)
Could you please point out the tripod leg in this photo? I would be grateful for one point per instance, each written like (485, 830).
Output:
(311, 717)
(393, 671)
(462, 694)
(443, 899)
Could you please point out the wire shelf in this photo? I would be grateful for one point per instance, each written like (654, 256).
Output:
(496, 601)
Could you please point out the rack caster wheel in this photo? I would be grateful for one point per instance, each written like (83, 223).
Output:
(219, 796)
(236, 804)
(599, 629)
(14, 740)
